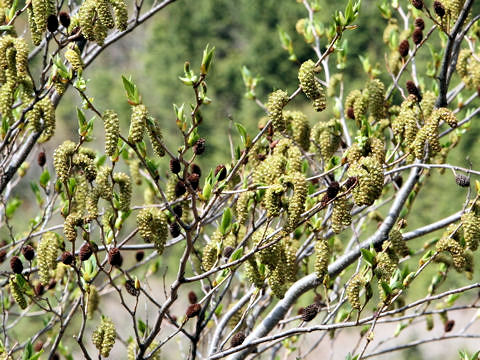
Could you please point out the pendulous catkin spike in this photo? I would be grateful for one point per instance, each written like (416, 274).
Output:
(369, 173)
(276, 102)
(471, 229)
(62, 159)
(69, 227)
(210, 255)
(121, 14)
(310, 87)
(74, 57)
(296, 204)
(152, 227)
(300, 127)
(137, 123)
(276, 280)
(353, 291)
(398, 243)
(450, 245)
(242, 207)
(47, 256)
(17, 293)
(322, 257)
(125, 195)
(376, 95)
(273, 200)
(86, 15)
(104, 336)
(104, 187)
(156, 137)
(93, 301)
(253, 274)
(104, 14)
(112, 131)
(341, 216)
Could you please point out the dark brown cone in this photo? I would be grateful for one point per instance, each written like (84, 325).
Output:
(413, 89)
(28, 252)
(403, 48)
(221, 172)
(67, 258)
(192, 297)
(193, 310)
(178, 210)
(85, 251)
(52, 23)
(462, 180)
(417, 36)
(180, 189)
(228, 251)
(175, 229)
(438, 8)
(16, 265)
(351, 181)
(139, 255)
(199, 147)
(115, 257)
(194, 179)
(420, 23)
(64, 19)
(333, 189)
(41, 158)
(449, 325)
(39, 289)
(195, 169)
(418, 4)
(237, 339)
(175, 166)
(350, 113)
(309, 312)
(3, 255)
(130, 287)
(38, 346)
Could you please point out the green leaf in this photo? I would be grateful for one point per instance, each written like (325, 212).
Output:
(131, 90)
(82, 120)
(44, 179)
(12, 206)
(28, 351)
(237, 254)
(142, 327)
(368, 256)
(243, 133)
(226, 221)
(207, 59)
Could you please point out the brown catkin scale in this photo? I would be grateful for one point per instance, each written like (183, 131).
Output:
(462, 180)
(86, 250)
(199, 147)
(310, 87)
(193, 310)
(16, 265)
(28, 252)
(276, 102)
(403, 48)
(309, 312)
(228, 251)
(418, 4)
(237, 339)
(439, 9)
(419, 23)
(192, 297)
(417, 36)
(131, 289)
(115, 257)
(175, 166)
(67, 258)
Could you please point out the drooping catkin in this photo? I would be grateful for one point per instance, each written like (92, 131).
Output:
(353, 291)
(86, 15)
(376, 95)
(62, 159)
(291, 247)
(152, 227)
(210, 255)
(104, 336)
(471, 229)
(112, 131)
(86, 164)
(296, 204)
(104, 14)
(242, 207)
(276, 102)
(93, 301)
(125, 194)
(300, 127)
(398, 243)
(310, 87)
(273, 199)
(121, 14)
(448, 244)
(47, 256)
(276, 279)
(369, 173)
(74, 57)
(156, 137)
(69, 227)
(253, 274)
(271, 254)
(322, 257)
(137, 123)
(341, 216)
(104, 186)
(17, 293)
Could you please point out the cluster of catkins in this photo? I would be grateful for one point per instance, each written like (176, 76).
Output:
(104, 336)
(460, 240)
(152, 227)
(468, 68)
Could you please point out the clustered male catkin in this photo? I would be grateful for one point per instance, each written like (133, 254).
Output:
(350, 102)
(137, 123)
(242, 207)
(291, 247)
(134, 168)
(104, 336)
(69, 227)
(276, 102)
(369, 173)
(376, 94)
(296, 204)
(405, 126)
(47, 256)
(112, 131)
(448, 244)
(62, 159)
(468, 68)
(310, 86)
(276, 279)
(356, 283)
(74, 57)
(156, 137)
(387, 261)
(300, 127)
(270, 255)
(341, 216)
(471, 229)
(273, 199)
(17, 293)
(360, 106)
(253, 274)
(322, 257)
(152, 226)
(85, 162)
(132, 350)
(93, 301)
(210, 251)
(104, 186)
(125, 194)
(398, 243)
(326, 137)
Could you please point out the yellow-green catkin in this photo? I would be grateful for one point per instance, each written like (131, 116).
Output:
(134, 167)
(276, 280)
(322, 257)
(209, 255)
(74, 57)
(329, 139)
(448, 244)
(47, 256)
(276, 102)
(152, 227)
(62, 159)
(112, 131)
(390, 30)
(47, 113)
(86, 164)
(91, 205)
(369, 173)
(132, 350)
(427, 137)
(270, 169)
(242, 207)
(17, 293)
(471, 229)
(104, 186)
(104, 336)
(360, 106)
(273, 200)
(100, 32)
(35, 32)
(93, 301)
(291, 247)
(376, 95)
(300, 127)
(125, 194)
(356, 283)
(398, 243)
(310, 86)
(104, 14)
(253, 274)
(296, 204)
(156, 137)
(445, 115)
(121, 14)
(80, 195)
(294, 159)
(86, 16)
(69, 227)
(428, 103)
(271, 254)
(40, 14)
(137, 123)
(341, 216)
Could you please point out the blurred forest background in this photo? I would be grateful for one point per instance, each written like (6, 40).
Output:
(246, 33)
